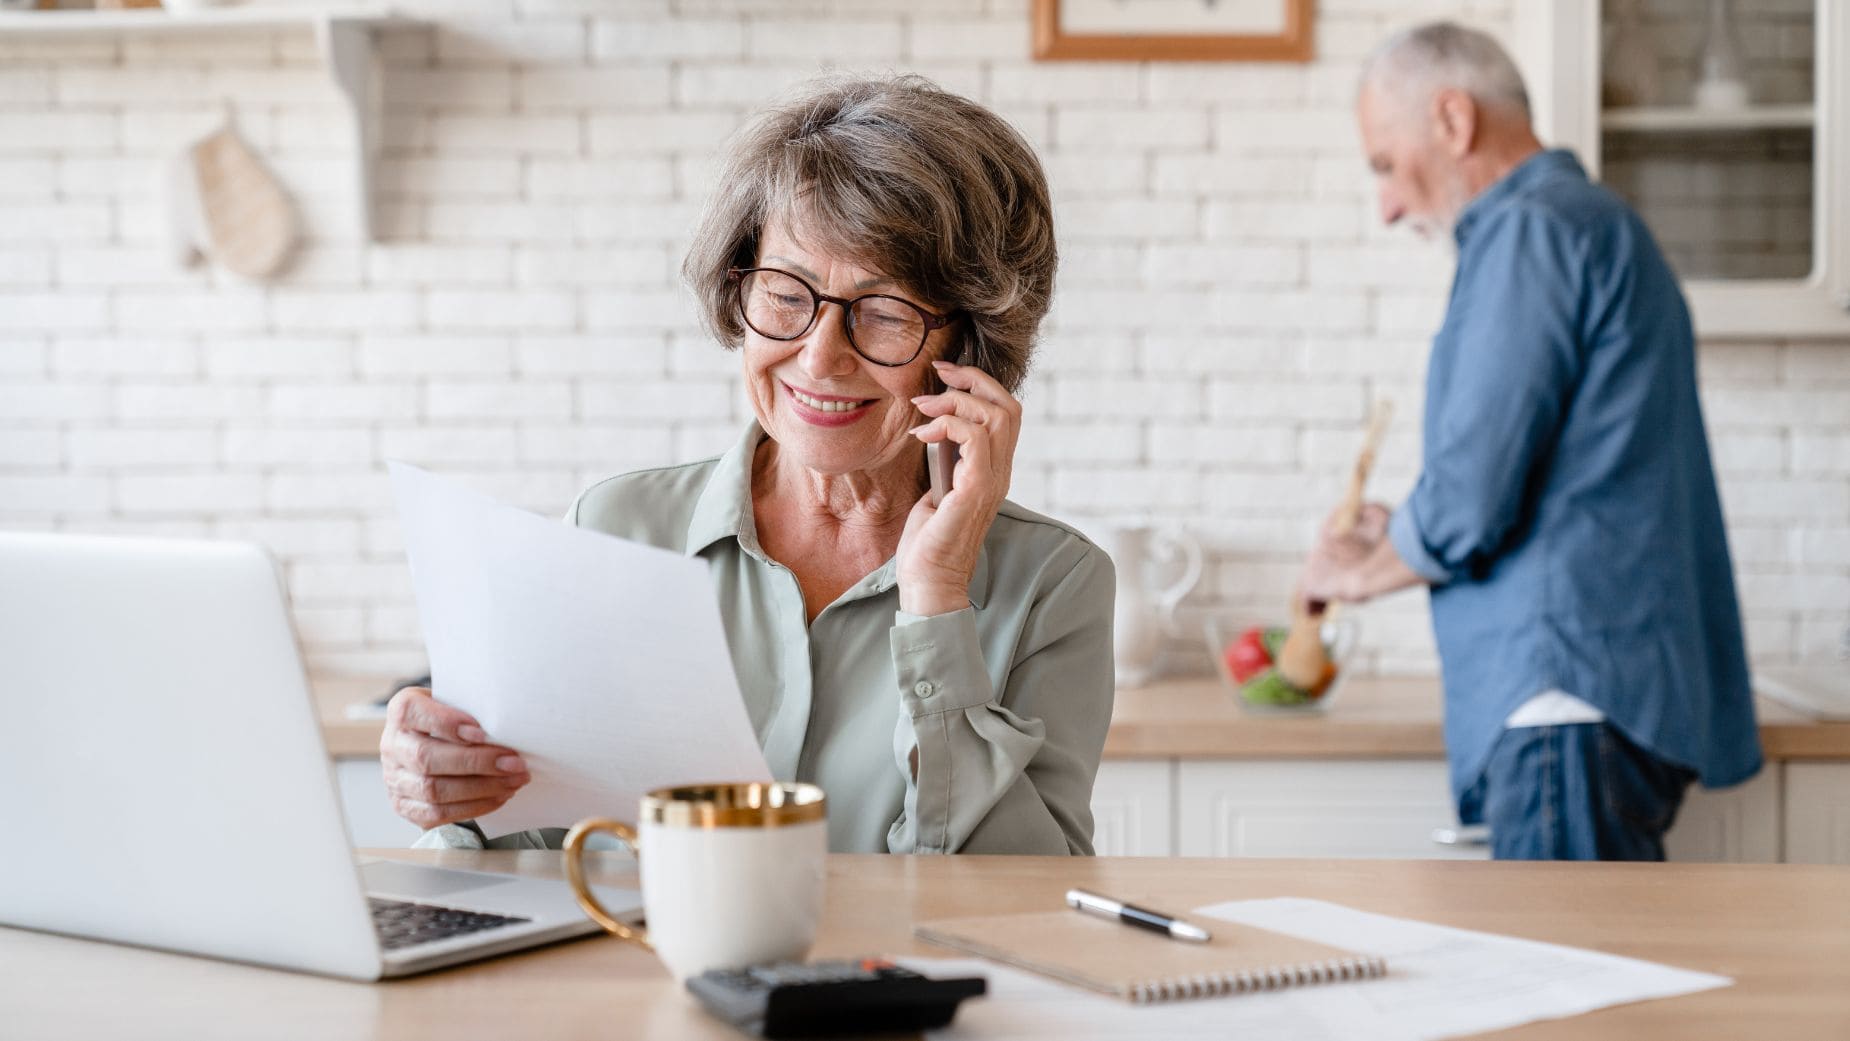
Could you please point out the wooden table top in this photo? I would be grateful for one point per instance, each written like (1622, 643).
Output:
(1781, 931)
(1371, 718)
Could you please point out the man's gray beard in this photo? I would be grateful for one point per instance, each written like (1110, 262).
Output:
(1457, 198)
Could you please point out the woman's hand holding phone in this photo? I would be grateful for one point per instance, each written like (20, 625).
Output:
(941, 457)
(940, 469)
(974, 422)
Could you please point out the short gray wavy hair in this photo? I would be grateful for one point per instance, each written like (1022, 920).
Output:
(1415, 62)
(924, 186)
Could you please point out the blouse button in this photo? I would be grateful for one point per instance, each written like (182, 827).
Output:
(924, 689)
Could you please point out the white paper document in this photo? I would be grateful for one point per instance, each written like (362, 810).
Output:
(602, 661)
(1441, 982)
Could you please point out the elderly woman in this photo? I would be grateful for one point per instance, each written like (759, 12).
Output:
(883, 251)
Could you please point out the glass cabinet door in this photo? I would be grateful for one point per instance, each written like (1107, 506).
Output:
(1723, 123)
(1707, 119)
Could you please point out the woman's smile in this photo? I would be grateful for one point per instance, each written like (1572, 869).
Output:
(825, 410)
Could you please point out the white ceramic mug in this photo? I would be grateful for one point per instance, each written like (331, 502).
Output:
(731, 873)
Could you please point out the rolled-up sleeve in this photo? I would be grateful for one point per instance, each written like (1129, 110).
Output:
(1006, 771)
(1404, 534)
(1503, 369)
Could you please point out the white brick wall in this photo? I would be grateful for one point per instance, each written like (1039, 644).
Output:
(1227, 310)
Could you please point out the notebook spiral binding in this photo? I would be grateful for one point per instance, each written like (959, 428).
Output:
(1250, 982)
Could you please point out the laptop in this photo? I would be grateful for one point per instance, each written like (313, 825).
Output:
(166, 784)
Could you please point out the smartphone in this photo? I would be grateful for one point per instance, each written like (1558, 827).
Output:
(941, 458)
(941, 461)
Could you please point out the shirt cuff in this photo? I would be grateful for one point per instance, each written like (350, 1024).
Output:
(452, 836)
(939, 663)
(1404, 533)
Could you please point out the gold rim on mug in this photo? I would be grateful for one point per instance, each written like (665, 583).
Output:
(736, 805)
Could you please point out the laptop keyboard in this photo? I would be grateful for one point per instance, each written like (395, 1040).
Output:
(402, 924)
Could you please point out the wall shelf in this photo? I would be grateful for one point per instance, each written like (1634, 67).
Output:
(1684, 119)
(152, 20)
(345, 40)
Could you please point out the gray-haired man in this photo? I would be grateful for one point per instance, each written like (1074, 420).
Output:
(1566, 517)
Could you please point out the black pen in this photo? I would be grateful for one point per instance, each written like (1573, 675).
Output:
(1130, 914)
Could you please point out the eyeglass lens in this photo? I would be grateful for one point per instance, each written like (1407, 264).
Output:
(885, 329)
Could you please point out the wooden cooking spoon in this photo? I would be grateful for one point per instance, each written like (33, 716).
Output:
(1302, 660)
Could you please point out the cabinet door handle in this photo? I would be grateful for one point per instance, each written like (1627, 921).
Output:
(1462, 835)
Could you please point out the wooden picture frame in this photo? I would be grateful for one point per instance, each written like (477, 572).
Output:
(1054, 42)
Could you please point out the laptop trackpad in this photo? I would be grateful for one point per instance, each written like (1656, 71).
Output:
(414, 881)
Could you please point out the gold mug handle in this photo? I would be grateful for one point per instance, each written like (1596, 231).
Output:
(575, 873)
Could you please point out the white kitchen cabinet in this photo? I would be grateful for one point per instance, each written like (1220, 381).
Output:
(1315, 808)
(1390, 808)
(1133, 808)
(1818, 813)
(1751, 203)
(1733, 825)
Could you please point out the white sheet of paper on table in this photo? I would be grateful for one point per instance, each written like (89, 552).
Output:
(1442, 982)
(602, 661)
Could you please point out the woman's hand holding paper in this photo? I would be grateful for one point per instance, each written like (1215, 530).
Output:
(439, 765)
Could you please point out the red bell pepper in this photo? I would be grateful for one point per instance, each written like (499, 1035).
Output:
(1247, 656)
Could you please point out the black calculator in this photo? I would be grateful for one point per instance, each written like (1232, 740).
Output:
(827, 998)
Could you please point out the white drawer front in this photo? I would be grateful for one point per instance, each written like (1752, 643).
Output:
(1302, 808)
(1818, 813)
(1732, 825)
(1133, 808)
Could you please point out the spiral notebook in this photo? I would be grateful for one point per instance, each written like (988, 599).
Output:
(1141, 966)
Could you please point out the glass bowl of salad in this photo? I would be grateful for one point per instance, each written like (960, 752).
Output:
(1246, 652)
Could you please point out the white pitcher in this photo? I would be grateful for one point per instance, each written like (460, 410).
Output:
(1145, 611)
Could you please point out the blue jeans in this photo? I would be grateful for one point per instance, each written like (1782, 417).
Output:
(1576, 791)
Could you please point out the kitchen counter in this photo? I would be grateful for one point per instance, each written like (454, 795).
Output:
(349, 738)
(1371, 718)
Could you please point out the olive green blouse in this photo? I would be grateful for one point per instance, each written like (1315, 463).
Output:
(1006, 702)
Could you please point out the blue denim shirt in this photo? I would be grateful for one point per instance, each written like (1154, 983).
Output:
(1566, 510)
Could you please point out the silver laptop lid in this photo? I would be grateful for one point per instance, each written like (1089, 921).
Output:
(166, 781)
